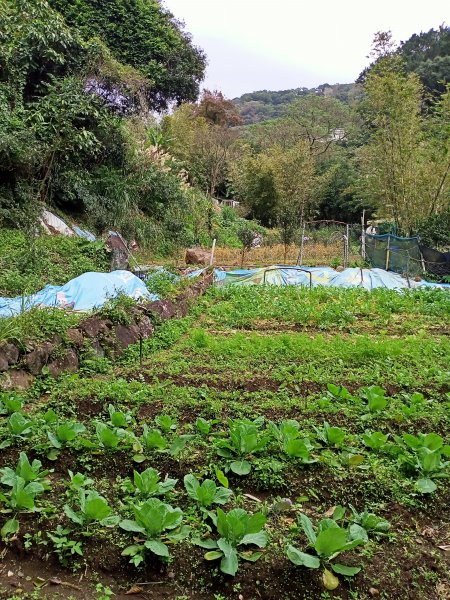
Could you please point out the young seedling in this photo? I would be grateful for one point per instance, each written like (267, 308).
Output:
(118, 418)
(331, 436)
(78, 482)
(25, 483)
(166, 423)
(244, 441)
(156, 523)
(203, 426)
(287, 434)
(376, 400)
(207, 493)
(107, 437)
(424, 454)
(20, 426)
(236, 528)
(375, 440)
(148, 483)
(62, 435)
(328, 541)
(93, 509)
(369, 523)
(10, 404)
(63, 546)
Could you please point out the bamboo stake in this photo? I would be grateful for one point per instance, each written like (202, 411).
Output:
(213, 249)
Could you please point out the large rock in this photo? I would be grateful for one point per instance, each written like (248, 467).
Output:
(17, 380)
(183, 307)
(38, 358)
(119, 252)
(163, 309)
(145, 327)
(67, 363)
(4, 364)
(75, 337)
(197, 256)
(10, 353)
(98, 348)
(126, 335)
(93, 326)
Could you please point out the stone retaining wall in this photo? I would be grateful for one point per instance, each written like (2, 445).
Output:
(19, 368)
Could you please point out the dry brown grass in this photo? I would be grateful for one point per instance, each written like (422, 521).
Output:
(314, 254)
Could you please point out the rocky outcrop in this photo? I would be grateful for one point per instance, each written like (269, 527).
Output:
(37, 359)
(9, 353)
(61, 354)
(93, 327)
(197, 256)
(75, 337)
(17, 379)
(68, 362)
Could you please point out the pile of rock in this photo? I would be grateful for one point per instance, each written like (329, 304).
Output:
(19, 367)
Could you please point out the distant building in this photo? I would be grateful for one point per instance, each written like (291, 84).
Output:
(338, 135)
(229, 202)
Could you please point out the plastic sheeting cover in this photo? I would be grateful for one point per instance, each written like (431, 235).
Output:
(84, 233)
(352, 277)
(88, 291)
(53, 224)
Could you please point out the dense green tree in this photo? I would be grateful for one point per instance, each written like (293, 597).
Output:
(253, 183)
(428, 55)
(293, 176)
(336, 191)
(320, 121)
(203, 138)
(145, 35)
(405, 164)
(66, 137)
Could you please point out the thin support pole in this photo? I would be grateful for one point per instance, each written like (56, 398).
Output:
(347, 244)
(363, 235)
(300, 256)
(388, 252)
(213, 249)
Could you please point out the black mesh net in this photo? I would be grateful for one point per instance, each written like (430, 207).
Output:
(405, 255)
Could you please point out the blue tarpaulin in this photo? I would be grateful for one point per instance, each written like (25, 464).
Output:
(84, 233)
(88, 291)
(315, 276)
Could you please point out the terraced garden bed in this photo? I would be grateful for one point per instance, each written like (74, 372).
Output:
(307, 432)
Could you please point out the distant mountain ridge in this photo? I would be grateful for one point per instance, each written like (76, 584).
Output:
(264, 105)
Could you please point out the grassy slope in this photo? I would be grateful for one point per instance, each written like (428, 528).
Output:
(27, 265)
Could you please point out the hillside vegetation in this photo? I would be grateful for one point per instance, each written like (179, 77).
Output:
(264, 105)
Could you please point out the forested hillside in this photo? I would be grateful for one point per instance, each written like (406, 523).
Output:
(184, 433)
(264, 105)
(102, 119)
(77, 88)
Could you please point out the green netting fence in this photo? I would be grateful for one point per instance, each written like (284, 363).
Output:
(394, 253)
(404, 255)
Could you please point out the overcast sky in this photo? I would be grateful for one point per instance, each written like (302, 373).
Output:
(282, 44)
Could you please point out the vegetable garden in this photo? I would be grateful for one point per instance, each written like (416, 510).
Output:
(275, 443)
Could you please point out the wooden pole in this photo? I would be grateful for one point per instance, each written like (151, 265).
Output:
(300, 256)
(347, 244)
(388, 252)
(213, 249)
(363, 235)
